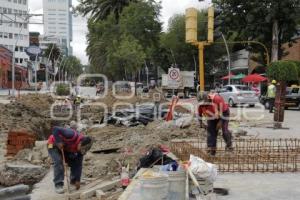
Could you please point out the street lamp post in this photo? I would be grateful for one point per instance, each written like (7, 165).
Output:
(229, 61)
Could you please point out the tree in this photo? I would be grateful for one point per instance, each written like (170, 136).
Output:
(101, 9)
(256, 20)
(282, 71)
(138, 24)
(129, 55)
(53, 53)
(73, 67)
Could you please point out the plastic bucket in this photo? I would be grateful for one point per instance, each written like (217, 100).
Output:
(154, 188)
(177, 185)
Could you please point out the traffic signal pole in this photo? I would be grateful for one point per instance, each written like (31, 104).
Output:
(201, 66)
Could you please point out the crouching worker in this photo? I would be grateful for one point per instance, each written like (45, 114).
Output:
(216, 111)
(74, 146)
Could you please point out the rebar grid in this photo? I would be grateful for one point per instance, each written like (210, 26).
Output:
(248, 155)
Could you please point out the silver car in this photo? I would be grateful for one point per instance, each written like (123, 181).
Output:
(239, 94)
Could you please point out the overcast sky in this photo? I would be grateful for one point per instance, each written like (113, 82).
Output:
(169, 8)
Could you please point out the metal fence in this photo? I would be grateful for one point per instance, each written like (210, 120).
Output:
(248, 155)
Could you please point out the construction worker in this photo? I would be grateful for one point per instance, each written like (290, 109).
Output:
(271, 93)
(77, 102)
(68, 144)
(217, 114)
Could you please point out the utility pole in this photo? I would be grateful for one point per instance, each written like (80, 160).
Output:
(229, 60)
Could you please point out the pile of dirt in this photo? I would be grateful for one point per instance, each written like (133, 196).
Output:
(120, 146)
(30, 113)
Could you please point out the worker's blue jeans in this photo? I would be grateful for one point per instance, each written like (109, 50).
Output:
(74, 161)
(213, 132)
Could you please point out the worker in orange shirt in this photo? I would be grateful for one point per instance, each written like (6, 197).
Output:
(216, 110)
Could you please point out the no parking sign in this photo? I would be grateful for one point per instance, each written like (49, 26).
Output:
(174, 77)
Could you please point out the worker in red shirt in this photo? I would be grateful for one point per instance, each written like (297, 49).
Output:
(73, 145)
(216, 111)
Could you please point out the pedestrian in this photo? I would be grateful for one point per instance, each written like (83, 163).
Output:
(216, 111)
(256, 89)
(74, 146)
(271, 93)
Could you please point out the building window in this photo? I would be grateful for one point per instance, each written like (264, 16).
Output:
(10, 36)
(16, 60)
(9, 10)
(15, 1)
(24, 2)
(19, 1)
(25, 26)
(1, 34)
(21, 60)
(5, 35)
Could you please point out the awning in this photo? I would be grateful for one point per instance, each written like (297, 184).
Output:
(239, 76)
(255, 78)
(227, 77)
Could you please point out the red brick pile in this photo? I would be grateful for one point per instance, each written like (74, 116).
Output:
(19, 140)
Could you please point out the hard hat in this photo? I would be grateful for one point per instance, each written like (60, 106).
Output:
(274, 82)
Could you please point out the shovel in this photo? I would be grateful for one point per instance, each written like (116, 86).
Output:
(66, 171)
(198, 196)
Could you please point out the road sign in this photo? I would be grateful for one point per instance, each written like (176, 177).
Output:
(174, 73)
(174, 78)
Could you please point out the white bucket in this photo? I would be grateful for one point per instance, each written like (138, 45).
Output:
(154, 188)
(177, 185)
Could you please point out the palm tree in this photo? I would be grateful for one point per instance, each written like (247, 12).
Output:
(52, 53)
(99, 10)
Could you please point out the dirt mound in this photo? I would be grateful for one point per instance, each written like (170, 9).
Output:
(126, 145)
(30, 112)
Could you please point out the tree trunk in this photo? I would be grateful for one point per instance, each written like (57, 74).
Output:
(275, 41)
(279, 104)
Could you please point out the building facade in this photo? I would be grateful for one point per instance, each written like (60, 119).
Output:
(14, 28)
(21, 73)
(58, 23)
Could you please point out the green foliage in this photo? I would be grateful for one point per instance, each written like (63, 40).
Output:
(283, 71)
(101, 9)
(110, 43)
(62, 89)
(73, 66)
(253, 20)
(297, 63)
(53, 53)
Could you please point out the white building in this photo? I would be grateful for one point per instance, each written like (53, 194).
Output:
(58, 22)
(14, 28)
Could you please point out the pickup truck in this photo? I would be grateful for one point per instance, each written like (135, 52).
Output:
(292, 98)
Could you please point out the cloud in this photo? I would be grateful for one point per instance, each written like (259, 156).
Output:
(169, 8)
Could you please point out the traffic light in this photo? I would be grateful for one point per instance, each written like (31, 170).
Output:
(191, 25)
(210, 32)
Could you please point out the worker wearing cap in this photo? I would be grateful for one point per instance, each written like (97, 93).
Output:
(73, 145)
(271, 93)
(216, 111)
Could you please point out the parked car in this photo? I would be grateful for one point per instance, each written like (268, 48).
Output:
(238, 95)
(292, 98)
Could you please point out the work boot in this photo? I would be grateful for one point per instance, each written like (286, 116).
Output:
(229, 149)
(59, 189)
(76, 184)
